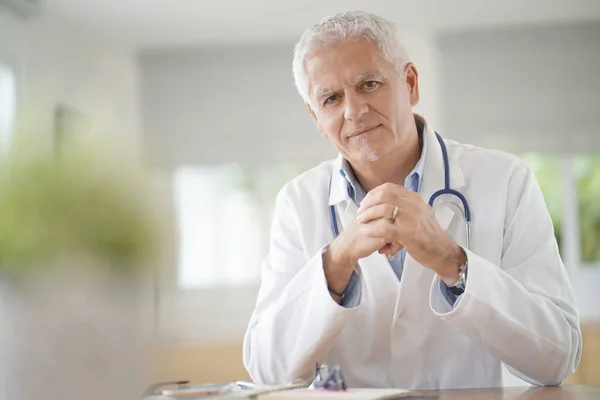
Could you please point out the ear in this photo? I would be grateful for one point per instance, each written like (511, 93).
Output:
(314, 117)
(411, 76)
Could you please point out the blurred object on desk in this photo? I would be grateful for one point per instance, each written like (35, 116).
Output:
(216, 391)
(349, 394)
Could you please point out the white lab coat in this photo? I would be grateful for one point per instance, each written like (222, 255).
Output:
(518, 307)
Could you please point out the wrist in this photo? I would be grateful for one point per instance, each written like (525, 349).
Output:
(340, 256)
(337, 267)
(449, 273)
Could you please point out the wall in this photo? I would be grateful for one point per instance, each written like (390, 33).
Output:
(57, 65)
(530, 88)
(211, 105)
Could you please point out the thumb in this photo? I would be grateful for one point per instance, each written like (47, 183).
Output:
(391, 248)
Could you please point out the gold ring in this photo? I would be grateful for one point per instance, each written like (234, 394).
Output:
(395, 214)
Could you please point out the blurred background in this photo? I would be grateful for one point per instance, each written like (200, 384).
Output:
(201, 94)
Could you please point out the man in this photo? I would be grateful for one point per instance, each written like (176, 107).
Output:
(363, 273)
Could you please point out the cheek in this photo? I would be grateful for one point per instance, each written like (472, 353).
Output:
(332, 125)
(385, 103)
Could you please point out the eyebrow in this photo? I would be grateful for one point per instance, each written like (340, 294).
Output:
(368, 75)
(322, 92)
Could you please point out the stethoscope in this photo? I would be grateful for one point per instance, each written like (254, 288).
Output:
(447, 190)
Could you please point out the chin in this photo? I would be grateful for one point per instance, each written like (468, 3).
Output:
(369, 154)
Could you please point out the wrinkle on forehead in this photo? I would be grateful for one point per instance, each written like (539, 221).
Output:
(363, 60)
(365, 76)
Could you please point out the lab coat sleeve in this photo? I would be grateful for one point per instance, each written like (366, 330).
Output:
(295, 322)
(522, 311)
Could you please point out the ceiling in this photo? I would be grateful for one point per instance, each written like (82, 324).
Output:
(160, 23)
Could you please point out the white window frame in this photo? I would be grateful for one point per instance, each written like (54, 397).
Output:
(571, 233)
(222, 255)
(7, 121)
(179, 311)
(584, 276)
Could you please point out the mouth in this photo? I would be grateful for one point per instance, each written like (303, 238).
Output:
(364, 130)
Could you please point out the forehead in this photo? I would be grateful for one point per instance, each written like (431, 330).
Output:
(344, 64)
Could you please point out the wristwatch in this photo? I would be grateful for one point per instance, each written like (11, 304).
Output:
(458, 287)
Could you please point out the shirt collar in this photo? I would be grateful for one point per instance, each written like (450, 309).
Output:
(412, 181)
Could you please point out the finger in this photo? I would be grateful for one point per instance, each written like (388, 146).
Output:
(385, 249)
(395, 247)
(391, 248)
(386, 193)
(381, 229)
(376, 212)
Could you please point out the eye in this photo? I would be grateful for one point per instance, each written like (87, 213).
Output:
(371, 85)
(331, 99)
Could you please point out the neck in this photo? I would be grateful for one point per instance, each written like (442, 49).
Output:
(394, 167)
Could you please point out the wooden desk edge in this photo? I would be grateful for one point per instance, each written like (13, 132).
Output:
(570, 392)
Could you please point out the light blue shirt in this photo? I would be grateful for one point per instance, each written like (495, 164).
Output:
(357, 194)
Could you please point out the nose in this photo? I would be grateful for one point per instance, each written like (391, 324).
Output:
(354, 107)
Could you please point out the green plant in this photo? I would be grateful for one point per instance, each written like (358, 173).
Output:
(547, 170)
(588, 190)
(86, 202)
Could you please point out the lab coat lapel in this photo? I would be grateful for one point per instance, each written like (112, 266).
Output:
(432, 181)
(375, 269)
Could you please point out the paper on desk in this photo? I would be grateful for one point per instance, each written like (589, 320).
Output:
(242, 394)
(350, 394)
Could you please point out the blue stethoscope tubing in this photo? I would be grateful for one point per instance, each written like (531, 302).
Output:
(447, 190)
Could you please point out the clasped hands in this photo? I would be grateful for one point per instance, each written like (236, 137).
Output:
(414, 228)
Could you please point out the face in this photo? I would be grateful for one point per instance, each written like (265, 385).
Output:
(360, 101)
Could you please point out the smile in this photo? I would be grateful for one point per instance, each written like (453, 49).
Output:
(364, 130)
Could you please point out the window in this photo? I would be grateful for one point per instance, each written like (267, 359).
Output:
(7, 106)
(571, 186)
(224, 215)
(587, 174)
(549, 174)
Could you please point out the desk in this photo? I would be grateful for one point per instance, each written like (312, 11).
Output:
(524, 393)
(513, 393)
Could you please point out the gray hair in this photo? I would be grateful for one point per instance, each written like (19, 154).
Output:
(343, 26)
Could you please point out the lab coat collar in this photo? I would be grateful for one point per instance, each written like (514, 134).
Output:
(339, 186)
(432, 175)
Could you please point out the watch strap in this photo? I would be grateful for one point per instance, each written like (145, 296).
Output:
(458, 287)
